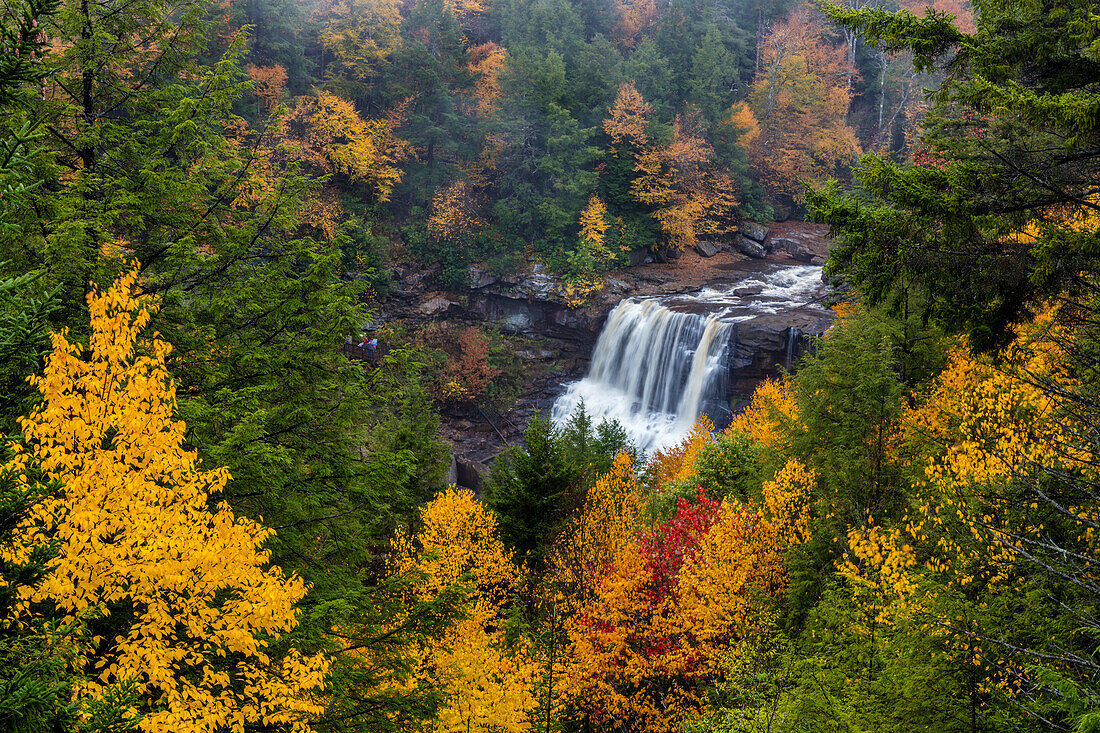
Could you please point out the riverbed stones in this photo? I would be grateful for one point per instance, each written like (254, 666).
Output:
(800, 250)
(796, 248)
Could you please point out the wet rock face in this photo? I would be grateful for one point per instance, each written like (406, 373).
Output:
(764, 345)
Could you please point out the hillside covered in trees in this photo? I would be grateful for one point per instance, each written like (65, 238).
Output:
(212, 520)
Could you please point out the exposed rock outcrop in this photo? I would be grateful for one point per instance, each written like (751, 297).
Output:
(761, 346)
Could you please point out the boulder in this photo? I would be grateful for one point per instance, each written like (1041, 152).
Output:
(638, 257)
(799, 250)
(755, 232)
(817, 260)
(707, 249)
(749, 248)
(616, 286)
(434, 305)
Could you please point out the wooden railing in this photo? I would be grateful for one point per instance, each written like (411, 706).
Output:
(364, 353)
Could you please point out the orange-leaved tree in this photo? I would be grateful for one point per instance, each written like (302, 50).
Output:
(634, 18)
(661, 616)
(595, 538)
(688, 197)
(331, 137)
(628, 118)
(664, 606)
(800, 99)
(176, 590)
(465, 372)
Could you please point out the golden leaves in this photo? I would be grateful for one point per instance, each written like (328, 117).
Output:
(487, 60)
(800, 100)
(787, 498)
(332, 137)
(597, 536)
(629, 117)
(773, 407)
(594, 221)
(138, 533)
(459, 538)
(454, 215)
(360, 34)
(491, 686)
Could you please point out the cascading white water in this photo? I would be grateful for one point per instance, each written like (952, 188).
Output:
(652, 370)
(659, 362)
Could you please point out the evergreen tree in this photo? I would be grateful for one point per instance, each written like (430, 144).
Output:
(546, 161)
(997, 208)
(534, 487)
(431, 68)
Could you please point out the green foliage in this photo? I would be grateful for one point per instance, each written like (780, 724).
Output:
(727, 468)
(849, 397)
(34, 686)
(980, 218)
(24, 340)
(533, 488)
(21, 46)
(546, 159)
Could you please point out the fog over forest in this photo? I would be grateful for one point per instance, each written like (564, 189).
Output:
(549, 366)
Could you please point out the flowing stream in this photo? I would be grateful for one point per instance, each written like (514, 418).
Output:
(660, 362)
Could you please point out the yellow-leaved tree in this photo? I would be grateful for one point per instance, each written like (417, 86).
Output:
(592, 257)
(331, 137)
(598, 534)
(490, 681)
(175, 588)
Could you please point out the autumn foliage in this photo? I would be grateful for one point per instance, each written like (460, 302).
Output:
(664, 602)
(679, 182)
(465, 372)
(179, 588)
(490, 680)
(329, 135)
(799, 101)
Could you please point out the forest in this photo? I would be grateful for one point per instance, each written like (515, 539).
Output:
(213, 520)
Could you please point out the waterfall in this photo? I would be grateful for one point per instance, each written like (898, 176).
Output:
(662, 361)
(654, 370)
(792, 337)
